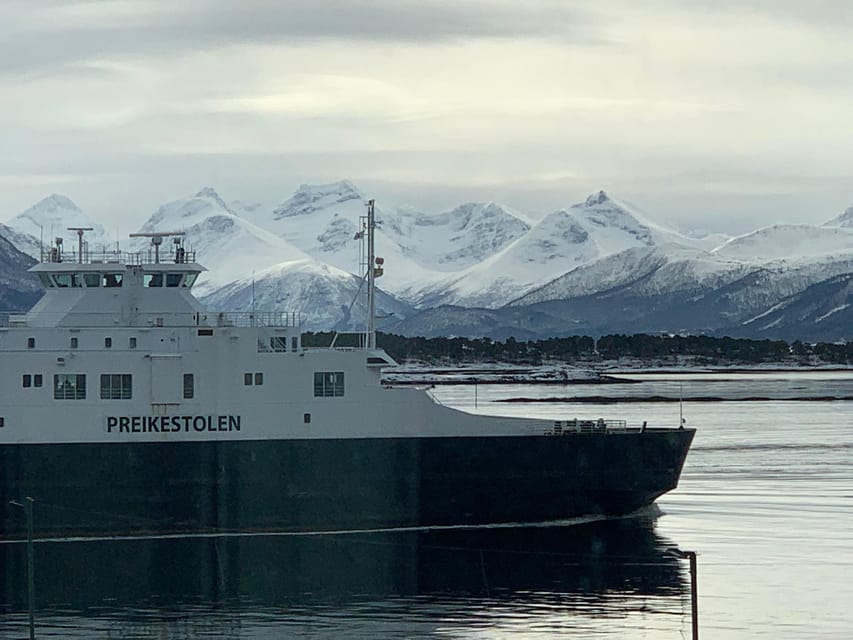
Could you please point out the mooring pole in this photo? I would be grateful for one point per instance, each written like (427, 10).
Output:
(31, 571)
(694, 596)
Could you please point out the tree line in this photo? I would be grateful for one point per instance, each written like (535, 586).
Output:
(701, 349)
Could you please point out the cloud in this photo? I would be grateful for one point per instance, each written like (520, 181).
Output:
(45, 36)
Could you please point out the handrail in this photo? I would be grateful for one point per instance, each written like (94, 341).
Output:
(135, 258)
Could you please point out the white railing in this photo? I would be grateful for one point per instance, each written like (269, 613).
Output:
(116, 257)
(251, 318)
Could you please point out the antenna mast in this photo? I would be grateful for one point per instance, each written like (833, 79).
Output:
(371, 278)
(156, 238)
(80, 231)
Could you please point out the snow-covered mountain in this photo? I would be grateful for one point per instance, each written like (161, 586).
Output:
(419, 248)
(483, 269)
(322, 221)
(50, 218)
(231, 247)
(324, 297)
(19, 289)
(845, 219)
(455, 239)
(557, 244)
(788, 242)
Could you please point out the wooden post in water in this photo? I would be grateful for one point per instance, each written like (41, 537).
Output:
(694, 596)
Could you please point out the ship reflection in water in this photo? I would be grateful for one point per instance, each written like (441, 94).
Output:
(606, 577)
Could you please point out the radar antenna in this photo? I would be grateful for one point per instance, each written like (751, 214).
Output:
(157, 239)
(80, 231)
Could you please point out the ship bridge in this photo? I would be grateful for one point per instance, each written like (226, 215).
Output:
(146, 288)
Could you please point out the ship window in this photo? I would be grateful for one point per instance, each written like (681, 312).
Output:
(294, 343)
(190, 279)
(278, 343)
(92, 279)
(38, 380)
(247, 379)
(62, 280)
(153, 280)
(131, 342)
(112, 279)
(27, 381)
(173, 279)
(74, 343)
(31, 343)
(328, 384)
(205, 332)
(259, 378)
(69, 386)
(108, 343)
(75, 280)
(46, 282)
(306, 418)
(116, 386)
(189, 385)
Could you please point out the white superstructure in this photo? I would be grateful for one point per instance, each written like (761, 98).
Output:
(119, 350)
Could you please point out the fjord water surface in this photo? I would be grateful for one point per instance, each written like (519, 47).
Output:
(765, 500)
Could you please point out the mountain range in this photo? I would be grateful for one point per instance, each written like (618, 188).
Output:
(483, 269)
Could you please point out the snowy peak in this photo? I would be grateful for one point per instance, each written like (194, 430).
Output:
(788, 242)
(186, 212)
(311, 198)
(559, 235)
(211, 194)
(596, 198)
(50, 218)
(230, 246)
(455, 239)
(617, 226)
(844, 220)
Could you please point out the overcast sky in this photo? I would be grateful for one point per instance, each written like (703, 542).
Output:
(719, 114)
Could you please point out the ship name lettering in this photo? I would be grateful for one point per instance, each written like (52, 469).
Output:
(172, 424)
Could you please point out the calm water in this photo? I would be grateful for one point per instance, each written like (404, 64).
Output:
(766, 500)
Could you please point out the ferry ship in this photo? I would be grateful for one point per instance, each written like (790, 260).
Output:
(127, 408)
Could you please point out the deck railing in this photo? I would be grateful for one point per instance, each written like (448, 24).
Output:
(117, 257)
(251, 318)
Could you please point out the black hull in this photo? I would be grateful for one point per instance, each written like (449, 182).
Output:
(305, 485)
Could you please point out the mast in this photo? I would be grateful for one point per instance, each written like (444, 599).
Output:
(80, 231)
(156, 238)
(370, 342)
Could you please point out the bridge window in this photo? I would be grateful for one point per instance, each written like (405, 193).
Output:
(63, 280)
(328, 384)
(116, 386)
(190, 279)
(46, 282)
(153, 280)
(173, 279)
(69, 386)
(112, 279)
(92, 279)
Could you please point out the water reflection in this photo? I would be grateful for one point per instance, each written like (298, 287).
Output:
(388, 584)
